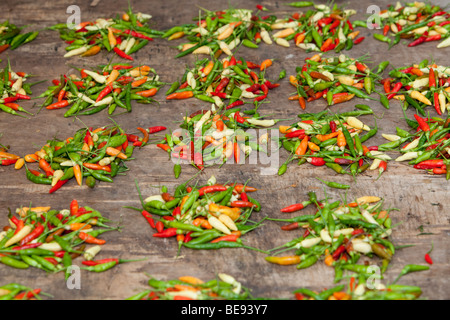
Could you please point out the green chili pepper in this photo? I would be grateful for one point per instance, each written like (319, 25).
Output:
(334, 184)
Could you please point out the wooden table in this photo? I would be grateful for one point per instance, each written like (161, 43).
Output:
(422, 199)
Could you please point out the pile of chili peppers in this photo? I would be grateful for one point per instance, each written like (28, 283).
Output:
(420, 85)
(339, 233)
(358, 290)
(333, 141)
(124, 35)
(225, 287)
(16, 291)
(419, 21)
(215, 81)
(50, 239)
(206, 217)
(113, 86)
(11, 36)
(221, 32)
(321, 29)
(13, 87)
(95, 154)
(209, 138)
(337, 80)
(426, 149)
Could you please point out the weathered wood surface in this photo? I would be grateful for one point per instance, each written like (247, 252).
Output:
(423, 200)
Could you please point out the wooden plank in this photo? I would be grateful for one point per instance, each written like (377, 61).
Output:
(422, 199)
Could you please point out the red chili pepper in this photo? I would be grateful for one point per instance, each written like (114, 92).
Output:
(27, 294)
(168, 218)
(58, 185)
(159, 226)
(417, 41)
(222, 84)
(27, 246)
(385, 30)
(271, 85)
(440, 13)
(221, 95)
(232, 61)
(340, 250)
(358, 40)
(242, 204)
(208, 189)
(444, 23)
(422, 123)
(253, 87)
(235, 104)
(290, 227)
(120, 67)
(294, 207)
(429, 164)
(33, 235)
(295, 134)
(137, 35)
(22, 97)
(428, 259)
(244, 196)
(122, 54)
(342, 161)
(8, 162)
(357, 231)
(396, 88)
(317, 161)
(251, 65)
(238, 117)
(167, 233)
(260, 98)
(149, 219)
(104, 93)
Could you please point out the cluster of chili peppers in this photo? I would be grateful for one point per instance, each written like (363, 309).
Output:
(339, 233)
(16, 291)
(419, 21)
(320, 29)
(420, 85)
(207, 217)
(224, 287)
(6, 158)
(217, 32)
(333, 141)
(357, 289)
(337, 80)
(12, 38)
(124, 35)
(113, 86)
(208, 138)
(95, 154)
(13, 87)
(216, 81)
(50, 239)
(428, 148)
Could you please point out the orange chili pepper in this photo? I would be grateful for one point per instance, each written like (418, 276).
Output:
(180, 95)
(301, 150)
(325, 137)
(139, 82)
(265, 64)
(115, 153)
(77, 173)
(90, 239)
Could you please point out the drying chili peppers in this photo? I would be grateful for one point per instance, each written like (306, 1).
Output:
(16, 291)
(337, 80)
(12, 38)
(224, 287)
(49, 239)
(112, 87)
(14, 88)
(124, 35)
(420, 85)
(100, 153)
(358, 289)
(217, 32)
(215, 81)
(209, 137)
(419, 21)
(339, 233)
(206, 217)
(425, 149)
(333, 141)
(320, 29)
